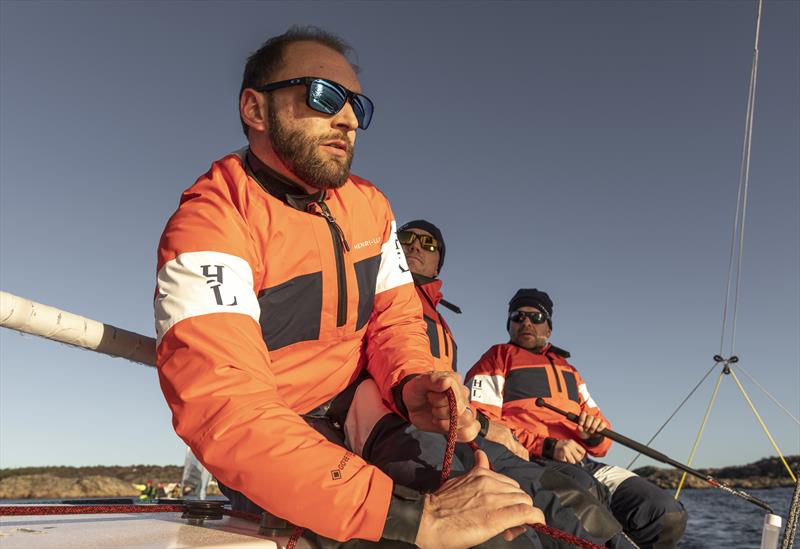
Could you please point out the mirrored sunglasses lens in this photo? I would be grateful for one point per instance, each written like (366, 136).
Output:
(363, 108)
(406, 237)
(428, 243)
(325, 98)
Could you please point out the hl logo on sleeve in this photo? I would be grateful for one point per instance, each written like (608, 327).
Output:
(200, 283)
(215, 278)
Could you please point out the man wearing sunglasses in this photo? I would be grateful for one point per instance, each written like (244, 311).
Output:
(280, 282)
(413, 457)
(505, 383)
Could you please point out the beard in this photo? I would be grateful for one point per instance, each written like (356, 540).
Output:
(300, 153)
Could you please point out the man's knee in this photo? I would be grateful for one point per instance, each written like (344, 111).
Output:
(652, 516)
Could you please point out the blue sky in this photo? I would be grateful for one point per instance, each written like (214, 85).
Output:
(590, 149)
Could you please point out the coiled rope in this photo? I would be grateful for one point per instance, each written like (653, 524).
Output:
(448, 461)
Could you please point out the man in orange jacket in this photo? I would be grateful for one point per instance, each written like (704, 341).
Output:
(280, 281)
(413, 458)
(505, 383)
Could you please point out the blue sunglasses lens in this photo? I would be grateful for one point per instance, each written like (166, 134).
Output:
(328, 98)
(325, 98)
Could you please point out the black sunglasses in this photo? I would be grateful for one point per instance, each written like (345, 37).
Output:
(426, 242)
(536, 317)
(328, 97)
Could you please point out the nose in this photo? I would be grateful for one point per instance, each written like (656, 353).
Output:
(414, 246)
(345, 119)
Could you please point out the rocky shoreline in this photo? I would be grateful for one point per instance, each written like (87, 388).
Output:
(119, 481)
(765, 473)
(87, 482)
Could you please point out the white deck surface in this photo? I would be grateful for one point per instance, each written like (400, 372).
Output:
(139, 530)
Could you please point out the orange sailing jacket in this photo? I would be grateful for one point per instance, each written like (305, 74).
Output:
(440, 338)
(269, 304)
(508, 379)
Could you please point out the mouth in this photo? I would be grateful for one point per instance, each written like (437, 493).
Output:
(336, 147)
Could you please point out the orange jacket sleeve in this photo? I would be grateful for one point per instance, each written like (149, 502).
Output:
(215, 373)
(589, 406)
(396, 341)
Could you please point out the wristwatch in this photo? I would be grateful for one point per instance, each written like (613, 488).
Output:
(483, 419)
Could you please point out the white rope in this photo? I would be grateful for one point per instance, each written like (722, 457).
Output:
(775, 400)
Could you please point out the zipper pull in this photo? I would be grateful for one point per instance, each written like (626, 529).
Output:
(326, 213)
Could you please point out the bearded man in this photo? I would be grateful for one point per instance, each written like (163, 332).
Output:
(280, 280)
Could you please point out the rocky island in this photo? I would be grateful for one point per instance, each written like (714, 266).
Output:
(121, 481)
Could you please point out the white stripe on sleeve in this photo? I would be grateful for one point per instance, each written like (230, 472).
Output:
(587, 398)
(200, 283)
(487, 390)
(393, 271)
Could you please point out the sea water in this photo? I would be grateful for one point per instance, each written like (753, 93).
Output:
(717, 520)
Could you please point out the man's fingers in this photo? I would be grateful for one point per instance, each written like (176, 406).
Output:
(481, 460)
(515, 516)
(512, 533)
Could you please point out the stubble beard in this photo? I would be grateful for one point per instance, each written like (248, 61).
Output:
(300, 153)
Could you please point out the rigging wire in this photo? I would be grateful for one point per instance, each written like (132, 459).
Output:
(775, 400)
(745, 177)
(763, 425)
(673, 414)
(700, 432)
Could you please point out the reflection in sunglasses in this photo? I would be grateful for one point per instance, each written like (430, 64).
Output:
(536, 317)
(426, 242)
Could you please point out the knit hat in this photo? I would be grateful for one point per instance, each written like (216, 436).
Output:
(532, 298)
(435, 232)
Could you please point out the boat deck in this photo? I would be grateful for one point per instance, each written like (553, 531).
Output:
(126, 531)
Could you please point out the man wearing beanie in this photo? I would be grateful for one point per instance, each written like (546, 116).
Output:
(505, 383)
(423, 245)
(413, 458)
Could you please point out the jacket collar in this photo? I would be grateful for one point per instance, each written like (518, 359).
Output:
(432, 288)
(544, 351)
(279, 186)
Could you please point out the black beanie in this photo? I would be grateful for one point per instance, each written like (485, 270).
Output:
(532, 298)
(435, 232)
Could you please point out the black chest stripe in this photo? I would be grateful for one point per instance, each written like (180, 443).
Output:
(572, 386)
(290, 312)
(526, 383)
(366, 276)
(433, 336)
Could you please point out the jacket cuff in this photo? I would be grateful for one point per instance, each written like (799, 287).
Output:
(594, 441)
(404, 516)
(548, 447)
(397, 393)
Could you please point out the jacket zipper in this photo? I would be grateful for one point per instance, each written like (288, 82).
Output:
(340, 246)
(555, 373)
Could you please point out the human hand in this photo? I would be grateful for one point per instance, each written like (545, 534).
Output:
(588, 425)
(568, 450)
(501, 434)
(425, 397)
(475, 507)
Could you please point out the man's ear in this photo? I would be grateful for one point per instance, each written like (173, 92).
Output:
(253, 109)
